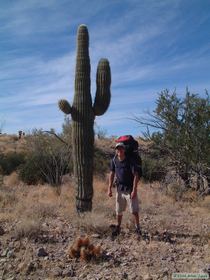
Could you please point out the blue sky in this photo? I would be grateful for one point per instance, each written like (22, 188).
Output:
(151, 45)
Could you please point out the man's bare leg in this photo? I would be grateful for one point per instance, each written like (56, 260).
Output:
(137, 225)
(136, 219)
(119, 220)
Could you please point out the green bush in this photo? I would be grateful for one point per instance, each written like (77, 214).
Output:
(101, 163)
(47, 161)
(30, 173)
(10, 162)
(181, 135)
(153, 169)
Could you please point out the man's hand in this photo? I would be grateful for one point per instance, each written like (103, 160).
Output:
(111, 180)
(135, 183)
(133, 194)
(109, 192)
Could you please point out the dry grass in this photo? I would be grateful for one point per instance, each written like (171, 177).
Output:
(36, 206)
(8, 198)
(206, 203)
(28, 207)
(103, 211)
(11, 143)
(28, 227)
(92, 223)
(12, 180)
(38, 201)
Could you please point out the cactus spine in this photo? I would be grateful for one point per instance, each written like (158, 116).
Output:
(83, 114)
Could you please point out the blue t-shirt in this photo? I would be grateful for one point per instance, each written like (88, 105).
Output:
(124, 171)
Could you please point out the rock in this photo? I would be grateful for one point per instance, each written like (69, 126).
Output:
(95, 235)
(147, 277)
(206, 246)
(165, 272)
(156, 238)
(207, 269)
(57, 272)
(30, 267)
(3, 260)
(171, 259)
(134, 276)
(69, 272)
(155, 277)
(124, 275)
(10, 254)
(192, 250)
(21, 267)
(4, 253)
(91, 277)
(2, 231)
(41, 252)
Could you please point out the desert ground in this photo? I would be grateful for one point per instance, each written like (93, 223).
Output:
(38, 224)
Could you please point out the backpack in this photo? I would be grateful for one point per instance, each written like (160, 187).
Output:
(131, 150)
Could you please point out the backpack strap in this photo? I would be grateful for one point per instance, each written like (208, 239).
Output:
(116, 183)
(114, 160)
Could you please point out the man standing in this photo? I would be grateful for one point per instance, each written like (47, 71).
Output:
(125, 170)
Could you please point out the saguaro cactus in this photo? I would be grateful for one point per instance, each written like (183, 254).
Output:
(83, 113)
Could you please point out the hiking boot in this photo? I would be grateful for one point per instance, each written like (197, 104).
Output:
(138, 231)
(115, 231)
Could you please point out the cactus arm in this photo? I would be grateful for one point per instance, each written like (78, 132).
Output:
(64, 106)
(103, 82)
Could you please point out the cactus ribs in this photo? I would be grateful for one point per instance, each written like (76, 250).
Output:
(84, 250)
(83, 113)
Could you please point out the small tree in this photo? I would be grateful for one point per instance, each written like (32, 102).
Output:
(182, 134)
(48, 156)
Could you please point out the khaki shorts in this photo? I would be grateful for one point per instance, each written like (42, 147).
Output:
(124, 198)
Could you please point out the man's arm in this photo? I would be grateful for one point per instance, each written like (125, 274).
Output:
(111, 180)
(135, 184)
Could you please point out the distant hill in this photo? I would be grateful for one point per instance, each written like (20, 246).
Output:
(11, 143)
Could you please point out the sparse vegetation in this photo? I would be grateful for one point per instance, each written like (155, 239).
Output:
(48, 159)
(153, 169)
(28, 228)
(30, 172)
(101, 162)
(37, 218)
(11, 161)
(182, 137)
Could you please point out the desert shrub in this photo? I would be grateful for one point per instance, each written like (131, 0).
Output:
(30, 172)
(28, 227)
(10, 162)
(182, 135)
(92, 222)
(101, 162)
(206, 203)
(12, 179)
(153, 169)
(47, 161)
(7, 199)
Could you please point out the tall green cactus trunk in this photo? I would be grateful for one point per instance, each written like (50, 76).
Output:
(83, 114)
(83, 119)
